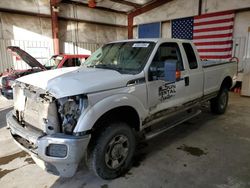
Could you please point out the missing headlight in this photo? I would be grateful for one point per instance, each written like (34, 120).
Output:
(70, 109)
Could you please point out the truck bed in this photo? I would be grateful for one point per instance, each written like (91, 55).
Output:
(210, 63)
(215, 72)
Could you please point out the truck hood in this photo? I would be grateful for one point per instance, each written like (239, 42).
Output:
(31, 61)
(74, 80)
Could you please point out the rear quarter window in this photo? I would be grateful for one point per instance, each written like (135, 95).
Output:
(192, 61)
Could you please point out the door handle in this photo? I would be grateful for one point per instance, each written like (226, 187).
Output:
(186, 81)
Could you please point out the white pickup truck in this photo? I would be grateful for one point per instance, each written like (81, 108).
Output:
(123, 90)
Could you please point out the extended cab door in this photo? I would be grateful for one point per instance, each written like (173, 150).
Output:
(194, 77)
(165, 94)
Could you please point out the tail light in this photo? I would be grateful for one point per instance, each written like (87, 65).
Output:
(7, 83)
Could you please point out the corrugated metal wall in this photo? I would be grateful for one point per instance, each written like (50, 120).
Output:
(41, 50)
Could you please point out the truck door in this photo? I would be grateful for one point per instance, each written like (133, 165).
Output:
(194, 78)
(164, 94)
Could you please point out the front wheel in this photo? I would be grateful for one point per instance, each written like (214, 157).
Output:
(112, 151)
(219, 103)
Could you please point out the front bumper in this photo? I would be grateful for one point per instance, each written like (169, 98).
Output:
(37, 144)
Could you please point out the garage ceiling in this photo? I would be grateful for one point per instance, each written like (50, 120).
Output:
(125, 6)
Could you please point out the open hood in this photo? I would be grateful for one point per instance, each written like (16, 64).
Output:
(31, 61)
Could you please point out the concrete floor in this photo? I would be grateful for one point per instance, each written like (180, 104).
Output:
(208, 151)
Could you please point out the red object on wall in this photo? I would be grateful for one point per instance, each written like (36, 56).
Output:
(92, 3)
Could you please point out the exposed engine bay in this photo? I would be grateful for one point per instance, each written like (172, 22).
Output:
(38, 109)
(70, 109)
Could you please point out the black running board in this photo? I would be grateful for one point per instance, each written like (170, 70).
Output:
(161, 130)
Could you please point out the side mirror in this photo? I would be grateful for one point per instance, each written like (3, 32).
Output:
(170, 73)
(166, 72)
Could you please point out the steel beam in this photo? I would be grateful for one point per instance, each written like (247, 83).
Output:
(148, 7)
(25, 13)
(54, 24)
(200, 8)
(130, 26)
(128, 3)
(86, 5)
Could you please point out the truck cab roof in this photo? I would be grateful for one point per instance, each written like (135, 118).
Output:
(154, 40)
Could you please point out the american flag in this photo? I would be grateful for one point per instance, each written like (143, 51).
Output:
(211, 33)
(183, 28)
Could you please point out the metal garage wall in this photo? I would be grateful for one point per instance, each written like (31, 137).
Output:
(209, 6)
(79, 47)
(241, 43)
(169, 11)
(5, 58)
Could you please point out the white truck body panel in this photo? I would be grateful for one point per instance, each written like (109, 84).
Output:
(106, 88)
(215, 74)
(100, 90)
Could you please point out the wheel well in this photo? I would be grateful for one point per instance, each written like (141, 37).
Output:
(125, 114)
(227, 83)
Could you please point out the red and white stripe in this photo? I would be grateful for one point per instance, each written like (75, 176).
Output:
(213, 34)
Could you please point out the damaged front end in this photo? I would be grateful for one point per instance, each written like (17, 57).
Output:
(70, 109)
(43, 126)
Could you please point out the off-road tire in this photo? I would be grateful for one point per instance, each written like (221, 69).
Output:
(100, 144)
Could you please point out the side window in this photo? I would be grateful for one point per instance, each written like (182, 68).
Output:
(76, 61)
(71, 62)
(190, 56)
(68, 63)
(166, 52)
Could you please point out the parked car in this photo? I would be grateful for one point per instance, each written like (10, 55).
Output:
(55, 62)
(6, 78)
(124, 89)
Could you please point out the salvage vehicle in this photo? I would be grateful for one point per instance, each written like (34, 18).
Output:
(8, 79)
(55, 62)
(122, 91)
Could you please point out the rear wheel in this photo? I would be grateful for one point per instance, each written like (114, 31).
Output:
(219, 104)
(111, 152)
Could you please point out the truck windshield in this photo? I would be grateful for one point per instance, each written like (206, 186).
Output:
(124, 57)
(53, 62)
